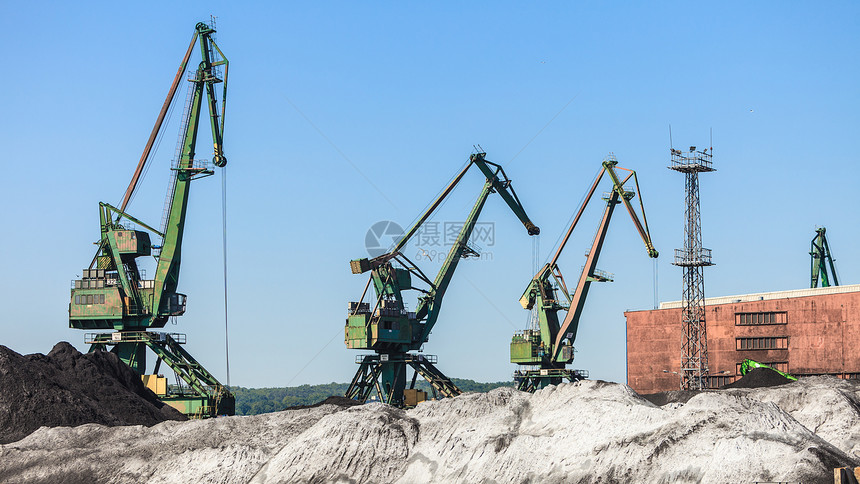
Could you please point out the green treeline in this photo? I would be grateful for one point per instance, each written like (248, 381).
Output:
(254, 401)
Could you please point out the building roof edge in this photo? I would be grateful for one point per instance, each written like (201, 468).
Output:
(764, 296)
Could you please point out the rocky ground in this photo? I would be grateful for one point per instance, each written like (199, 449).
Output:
(589, 431)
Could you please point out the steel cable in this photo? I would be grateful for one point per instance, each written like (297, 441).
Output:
(224, 251)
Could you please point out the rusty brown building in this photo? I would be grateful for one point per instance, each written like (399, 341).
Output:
(804, 332)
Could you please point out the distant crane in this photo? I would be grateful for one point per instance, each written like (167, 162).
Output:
(113, 293)
(392, 332)
(544, 352)
(821, 259)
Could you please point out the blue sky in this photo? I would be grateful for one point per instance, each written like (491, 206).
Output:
(324, 96)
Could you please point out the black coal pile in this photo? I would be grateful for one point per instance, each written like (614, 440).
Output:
(759, 378)
(332, 400)
(67, 388)
(756, 378)
(674, 396)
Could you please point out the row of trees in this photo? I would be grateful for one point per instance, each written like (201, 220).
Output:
(254, 401)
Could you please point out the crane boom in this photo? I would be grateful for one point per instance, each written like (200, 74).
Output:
(171, 93)
(502, 186)
(427, 213)
(432, 304)
(569, 326)
(167, 270)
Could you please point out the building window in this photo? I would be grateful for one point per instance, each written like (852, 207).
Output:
(754, 319)
(85, 299)
(773, 343)
(719, 381)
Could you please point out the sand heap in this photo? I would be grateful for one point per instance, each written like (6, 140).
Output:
(588, 431)
(67, 388)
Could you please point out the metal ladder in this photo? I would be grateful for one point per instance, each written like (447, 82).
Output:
(186, 112)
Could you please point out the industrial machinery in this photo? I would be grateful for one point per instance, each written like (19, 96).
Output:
(821, 259)
(748, 365)
(544, 350)
(397, 335)
(113, 292)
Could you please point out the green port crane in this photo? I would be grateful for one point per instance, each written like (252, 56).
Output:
(397, 335)
(113, 293)
(544, 351)
(821, 259)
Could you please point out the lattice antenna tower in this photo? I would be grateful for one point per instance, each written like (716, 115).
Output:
(693, 259)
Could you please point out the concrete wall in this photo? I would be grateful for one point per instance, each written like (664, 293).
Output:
(822, 332)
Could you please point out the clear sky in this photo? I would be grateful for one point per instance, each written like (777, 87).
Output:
(343, 114)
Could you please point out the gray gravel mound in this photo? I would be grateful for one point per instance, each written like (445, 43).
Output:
(581, 432)
(67, 388)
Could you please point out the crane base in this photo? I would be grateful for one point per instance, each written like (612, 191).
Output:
(532, 380)
(201, 396)
(376, 366)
